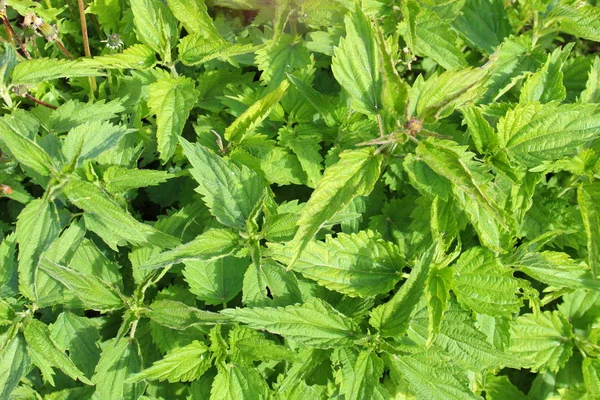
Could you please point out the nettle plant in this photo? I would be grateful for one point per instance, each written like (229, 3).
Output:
(300, 199)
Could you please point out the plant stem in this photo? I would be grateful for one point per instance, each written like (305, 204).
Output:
(10, 33)
(134, 325)
(86, 43)
(40, 102)
(63, 49)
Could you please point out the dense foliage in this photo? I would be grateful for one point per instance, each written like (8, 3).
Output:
(299, 199)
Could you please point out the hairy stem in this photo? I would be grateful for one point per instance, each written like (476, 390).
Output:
(86, 43)
(10, 33)
(40, 102)
(63, 49)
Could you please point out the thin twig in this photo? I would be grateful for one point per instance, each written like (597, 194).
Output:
(86, 43)
(40, 102)
(10, 32)
(64, 50)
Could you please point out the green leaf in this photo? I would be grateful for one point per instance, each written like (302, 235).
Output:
(547, 83)
(591, 93)
(26, 151)
(479, 129)
(177, 315)
(267, 283)
(542, 340)
(79, 336)
(360, 374)
(231, 192)
(483, 23)
(482, 284)
(119, 360)
(356, 65)
(14, 364)
(588, 197)
(392, 318)
(235, 382)
(360, 264)
(73, 113)
(119, 180)
(470, 187)
(184, 364)
(217, 281)
(314, 323)
(155, 26)
(255, 114)
(581, 20)
(533, 133)
(437, 293)
(111, 217)
(555, 269)
(43, 69)
(500, 388)
(284, 56)
(81, 146)
(355, 174)
(591, 375)
(193, 15)
(171, 99)
(93, 292)
(318, 100)
(430, 377)
(37, 227)
(209, 246)
(196, 49)
(442, 93)
(247, 345)
(434, 38)
(305, 145)
(8, 260)
(138, 56)
(46, 354)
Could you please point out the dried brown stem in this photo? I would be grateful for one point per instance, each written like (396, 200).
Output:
(12, 36)
(40, 102)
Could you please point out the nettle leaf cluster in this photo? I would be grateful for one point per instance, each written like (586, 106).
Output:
(299, 199)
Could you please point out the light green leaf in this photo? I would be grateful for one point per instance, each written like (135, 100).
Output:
(234, 382)
(217, 281)
(360, 373)
(591, 93)
(92, 291)
(392, 318)
(542, 340)
(82, 145)
(193, 15)
(79, 336)
(196, 49)
(588, 197)
(184, 364)
(547, 83)
(471, 188)
(171, 99)
(430, 377)
(24, 150)
(119, 180)
(533, 133)
(581, 20)
(211, 245)
(247, 345)
(355, 174)
(482, 284)
(437, 293)
(314, 323)
(305, 145)
(360, 264)
(14, 364)
(555, 269)
(501, 388)
(479, 129)
(269, 284)
(318, 100)
(356, 64)
(435, 38)
(119, 360)
(8, 272)
(231, 192)
(442, 93)
(112, 218)
(255, 114)
(73, 113)
(591, 375)
(46, 354)
(42, 69)
(155, 26)
(483, 23)
(37, 227)
(287, 55)
(177, 315)
(138, 56)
